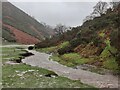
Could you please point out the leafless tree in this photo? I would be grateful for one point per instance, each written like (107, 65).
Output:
(115, 3)
(60, 29)
(100, 8)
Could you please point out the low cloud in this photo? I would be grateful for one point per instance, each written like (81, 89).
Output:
(52, 13)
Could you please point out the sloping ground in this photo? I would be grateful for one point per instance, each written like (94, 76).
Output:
(88, 50)
(22, 37)
(23, 23)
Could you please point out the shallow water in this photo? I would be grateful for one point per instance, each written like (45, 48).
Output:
(87, 77)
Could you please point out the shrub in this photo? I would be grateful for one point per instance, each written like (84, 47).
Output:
(64, 50)
(75, 42)
(64, 44)
(48, 43)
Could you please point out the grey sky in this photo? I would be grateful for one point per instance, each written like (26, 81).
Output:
(52, 13)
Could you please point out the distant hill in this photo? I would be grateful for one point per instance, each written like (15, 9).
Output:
(20, 27)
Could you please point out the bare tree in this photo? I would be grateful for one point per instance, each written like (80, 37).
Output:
(100, 8)
(115, 3)
(60, 29)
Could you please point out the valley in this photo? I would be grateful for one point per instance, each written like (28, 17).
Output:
(37, 55)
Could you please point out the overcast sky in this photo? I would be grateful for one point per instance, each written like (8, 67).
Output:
(52, 13)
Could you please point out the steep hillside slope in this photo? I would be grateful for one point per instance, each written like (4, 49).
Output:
(20, 27)
(96, 43)
(98, 31)
(98, 40)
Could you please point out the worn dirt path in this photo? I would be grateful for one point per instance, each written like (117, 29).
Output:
(87, 77)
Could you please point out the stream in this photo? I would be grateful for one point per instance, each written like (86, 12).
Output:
(42, 60)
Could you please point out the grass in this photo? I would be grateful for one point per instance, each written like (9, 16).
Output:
(74, 59)
(24, 76)
(70, 59)
(11, 53)
(48, 49)
(21, 75)
(53, 48)
(9, 43)
(109, 60)
(111, 64)
(106, 52)
(102, 34)
(64, 44)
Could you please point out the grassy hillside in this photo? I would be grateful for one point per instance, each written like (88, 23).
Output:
(16, 18)
(95, 43)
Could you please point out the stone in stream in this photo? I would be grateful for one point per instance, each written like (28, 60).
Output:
(26, 54)
(19, 60)
(30, 47)
(51, 75)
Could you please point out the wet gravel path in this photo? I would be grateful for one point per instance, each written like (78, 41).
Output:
(87, 77)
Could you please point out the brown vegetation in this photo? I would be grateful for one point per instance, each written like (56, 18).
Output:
(22, 37)
(88, 50)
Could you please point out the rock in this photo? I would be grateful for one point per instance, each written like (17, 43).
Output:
(30, 47)
(31, 70)
(20, 74)
(40, 75)
(51, 75)
(26, 54)
(48, 75)
(18, 60)
(17, 71)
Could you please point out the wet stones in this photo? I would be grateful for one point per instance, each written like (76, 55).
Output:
(30, 47)
(51, 75)
(26, 54)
